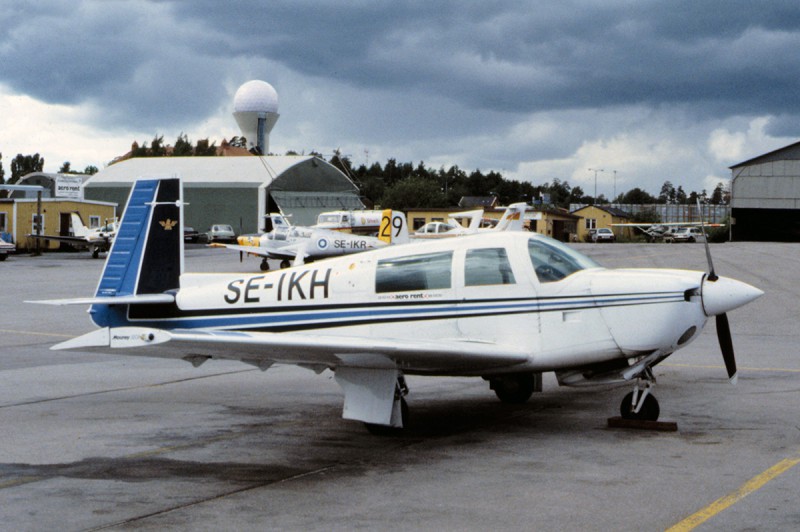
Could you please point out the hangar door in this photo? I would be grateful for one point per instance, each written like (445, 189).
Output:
(305, 206)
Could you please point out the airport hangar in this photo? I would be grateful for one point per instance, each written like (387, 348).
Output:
(238, 191)
(765, 197)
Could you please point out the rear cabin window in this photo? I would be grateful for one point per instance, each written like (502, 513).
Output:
(487, 267)
(419, 272)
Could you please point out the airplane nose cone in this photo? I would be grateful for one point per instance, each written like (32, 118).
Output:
(726, 294)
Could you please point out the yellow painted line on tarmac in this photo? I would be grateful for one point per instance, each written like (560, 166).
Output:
(17, 482)
(711, 366)
(36, 333)
(754, 484)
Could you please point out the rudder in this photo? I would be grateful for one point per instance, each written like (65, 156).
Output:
(147, 254)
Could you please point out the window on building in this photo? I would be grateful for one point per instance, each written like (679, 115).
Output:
(591, 223)
(487, 267)
(418, 272)
(418, 222)
(3, 223)
(34, 219)
(94, 221)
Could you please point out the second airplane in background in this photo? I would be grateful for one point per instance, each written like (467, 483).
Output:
(298, 245)
(512, 220)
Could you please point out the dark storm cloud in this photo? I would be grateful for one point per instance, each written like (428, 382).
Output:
(154, 63)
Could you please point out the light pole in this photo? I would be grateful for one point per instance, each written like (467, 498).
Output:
(614, 197)
(595, 170)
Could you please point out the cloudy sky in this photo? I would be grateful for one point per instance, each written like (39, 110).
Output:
(670, 90)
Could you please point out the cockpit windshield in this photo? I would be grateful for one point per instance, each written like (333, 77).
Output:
(554, 261)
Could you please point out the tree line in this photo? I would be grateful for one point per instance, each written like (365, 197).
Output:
(405, 185)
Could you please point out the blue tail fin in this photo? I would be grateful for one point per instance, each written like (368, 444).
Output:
(147, 254)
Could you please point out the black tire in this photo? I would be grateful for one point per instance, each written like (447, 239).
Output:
(649, 411)
(264, 266)
(514, 389)
(285, 264)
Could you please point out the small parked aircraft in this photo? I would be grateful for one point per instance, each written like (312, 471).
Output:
(512, 220)
(298, 245)
(505, 306)
(656, 232)
(95, 240)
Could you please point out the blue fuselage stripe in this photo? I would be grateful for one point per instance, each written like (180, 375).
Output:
(363, 314)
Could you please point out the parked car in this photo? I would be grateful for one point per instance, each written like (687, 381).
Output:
(190, 234)
(685, 234)
(6, 246)
(221, 233)
(603, 234)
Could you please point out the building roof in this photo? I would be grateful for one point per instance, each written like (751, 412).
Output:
(613, 211)
(242, 170)
(790, 152)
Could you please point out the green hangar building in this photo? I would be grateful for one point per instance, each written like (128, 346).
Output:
(238, 191)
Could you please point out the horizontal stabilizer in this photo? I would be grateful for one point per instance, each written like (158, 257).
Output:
(116, 338)
(140, 299)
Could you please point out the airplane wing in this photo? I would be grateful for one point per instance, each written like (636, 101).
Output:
(253, 250)
(310, 350)
(296, 252)
(76, 241)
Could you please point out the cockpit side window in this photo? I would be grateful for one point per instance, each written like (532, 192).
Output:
(487, 267)
(431, 271)
(553, 261)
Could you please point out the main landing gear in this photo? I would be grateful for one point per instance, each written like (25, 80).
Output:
(640, 404)
(264, 265)
(516, 388)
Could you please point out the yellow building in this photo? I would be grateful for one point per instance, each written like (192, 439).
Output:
(18, 218)
(595, 217)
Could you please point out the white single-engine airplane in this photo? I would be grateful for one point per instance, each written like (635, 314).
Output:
(298, 245)
(95, 240)
(504, 306)
(512, 220)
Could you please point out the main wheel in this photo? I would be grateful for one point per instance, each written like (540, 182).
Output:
(285, 264)
(515, 388)
(264, 265)
(649, 411)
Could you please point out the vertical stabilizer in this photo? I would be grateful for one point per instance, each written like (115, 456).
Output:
(513, 219)
(147, 254)
(78, 229)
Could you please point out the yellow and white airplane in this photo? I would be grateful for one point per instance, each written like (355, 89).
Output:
(505, 306)
(292, 244)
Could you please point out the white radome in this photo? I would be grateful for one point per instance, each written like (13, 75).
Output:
(256, 96)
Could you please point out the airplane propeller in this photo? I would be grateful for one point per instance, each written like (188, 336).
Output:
(723, 327)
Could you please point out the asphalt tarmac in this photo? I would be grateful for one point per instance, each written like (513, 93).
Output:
(95, 442)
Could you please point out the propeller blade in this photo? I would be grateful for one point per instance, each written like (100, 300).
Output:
(240, 256)
(726, 345)
(712, 276)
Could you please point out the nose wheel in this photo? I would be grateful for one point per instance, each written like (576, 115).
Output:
(640, 404)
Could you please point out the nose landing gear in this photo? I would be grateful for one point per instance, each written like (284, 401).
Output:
(641, 404)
